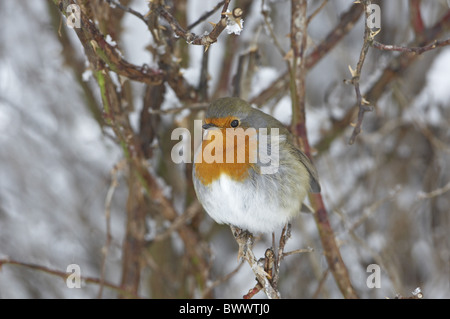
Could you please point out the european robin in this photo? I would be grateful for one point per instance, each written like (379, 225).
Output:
(242, 186)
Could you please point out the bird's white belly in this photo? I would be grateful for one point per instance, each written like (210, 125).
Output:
(245, 206)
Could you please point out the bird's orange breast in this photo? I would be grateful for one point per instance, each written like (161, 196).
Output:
(226, 151)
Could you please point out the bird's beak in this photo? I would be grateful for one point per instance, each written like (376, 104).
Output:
(208, 125)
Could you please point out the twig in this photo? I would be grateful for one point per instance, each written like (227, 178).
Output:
(268, 24)
(395, 68)
(361, 103)
(181, 220)
(114, 3)
(434, 193)
(222, 279)
(108, 200)
(94, 43)
(322, 5)
(299, 251)
(192, 38)
(416, 16)
(315, 295)
(342, 28)
(194, 107)
(245, 242)
(205, 16)
(416, 50)
(64, 275)
(297, 82)
(253, 291)
(285, 235)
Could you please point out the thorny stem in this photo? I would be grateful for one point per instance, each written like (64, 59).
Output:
(64, 276)
(191, 38)
(356, 74)
(245, 242)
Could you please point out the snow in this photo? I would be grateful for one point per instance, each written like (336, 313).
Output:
(55, 160)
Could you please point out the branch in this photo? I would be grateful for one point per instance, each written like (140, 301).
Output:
(415, 50)
(108, 199)
(94, 41)
(206, 15)
(434, 193)
(221, 280)
(416, 16)
(362, 103)
(331, 249)
(64, 275)
(114, 3)
(316, 12)
(285, 235)
(245, 242)
(395, 69)
(191, 38)
(340, 30)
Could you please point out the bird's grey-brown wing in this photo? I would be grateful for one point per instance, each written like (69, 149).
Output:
(314, 177)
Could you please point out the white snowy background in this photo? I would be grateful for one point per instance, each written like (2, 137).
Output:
(55, 162)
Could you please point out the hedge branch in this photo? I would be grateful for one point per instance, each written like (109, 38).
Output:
(416, 50)
(191, 38)
(64, 275)
(297, 80)
(361, 103)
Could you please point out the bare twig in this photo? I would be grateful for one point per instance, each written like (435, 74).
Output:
(117, 4)
(434, 193)
(415, 50)
(285, 235)
(191, 38)
(297, 80)
(394, 69)
(94, 43)
(193, 107)
(362, 103)
(345, 24)
(316, 12)
(64, 275)
(267, 22)
(298, 251)
(416, 16)
(108, 200)
(206, 15)
(316, 293)
(245, 242)
(181, 220)
(222, 279)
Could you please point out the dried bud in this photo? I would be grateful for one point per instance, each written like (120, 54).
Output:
(237, 13)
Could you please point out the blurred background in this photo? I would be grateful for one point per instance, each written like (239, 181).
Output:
(83, 185)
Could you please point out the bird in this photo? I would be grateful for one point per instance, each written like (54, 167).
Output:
(234, 180)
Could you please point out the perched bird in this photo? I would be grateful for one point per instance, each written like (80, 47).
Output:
(242, 186)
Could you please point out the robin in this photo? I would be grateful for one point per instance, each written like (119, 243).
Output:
(234, 182)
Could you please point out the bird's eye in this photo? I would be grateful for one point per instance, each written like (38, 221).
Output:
(234, 123)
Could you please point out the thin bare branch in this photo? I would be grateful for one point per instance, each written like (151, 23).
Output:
(434, 193)
(117, 4)
(416, 50)
(316, 12)
(298, 251)
(245, 242)
(64, 275)
(361, 103)
(222, 279)
(108, 200)
(206, 15)
(191, 38)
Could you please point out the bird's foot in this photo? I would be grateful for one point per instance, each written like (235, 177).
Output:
(244, 239)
